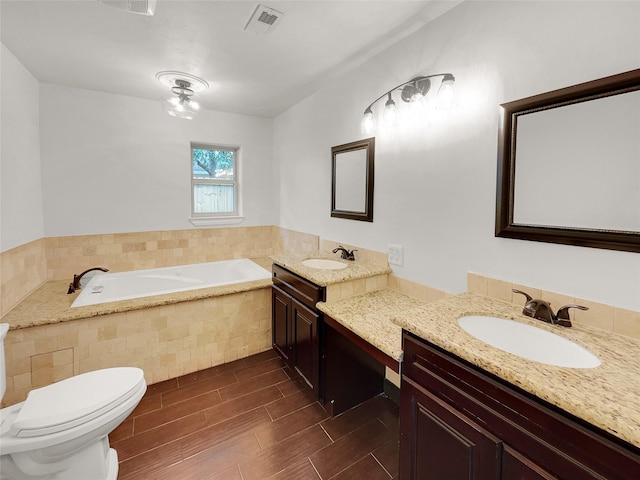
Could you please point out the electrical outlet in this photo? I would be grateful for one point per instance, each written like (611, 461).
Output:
(395, 254)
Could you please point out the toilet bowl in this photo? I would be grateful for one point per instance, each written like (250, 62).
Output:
(61, 431)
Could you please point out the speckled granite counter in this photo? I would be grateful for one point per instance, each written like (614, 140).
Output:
(355, 269)
(368, 316)
(607, 396)
(51, 304)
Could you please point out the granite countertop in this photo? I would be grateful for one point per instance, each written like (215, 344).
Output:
(607, 396)
(355, 269)
(51, 304)
(368, 316)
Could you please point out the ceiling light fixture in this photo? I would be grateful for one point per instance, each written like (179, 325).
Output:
(181, 101)
(412, 92)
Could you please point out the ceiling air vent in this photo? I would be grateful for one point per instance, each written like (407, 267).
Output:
(263, 20)
(142, 7)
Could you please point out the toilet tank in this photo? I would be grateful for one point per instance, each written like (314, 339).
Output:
(4, 328)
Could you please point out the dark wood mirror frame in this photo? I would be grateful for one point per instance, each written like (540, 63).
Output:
(368, 145)
(505, 226)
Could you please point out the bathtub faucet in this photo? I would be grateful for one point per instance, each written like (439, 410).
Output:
(75, 285)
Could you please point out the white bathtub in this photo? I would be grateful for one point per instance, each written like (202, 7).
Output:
(113, 287)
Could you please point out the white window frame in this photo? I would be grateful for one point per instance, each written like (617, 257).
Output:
(216, 218)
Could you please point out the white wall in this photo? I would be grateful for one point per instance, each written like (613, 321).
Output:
(435, 186)
(20, 176)
(113, 163)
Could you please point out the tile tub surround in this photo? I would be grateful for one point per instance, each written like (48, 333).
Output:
(167, 336)
(22, 270)
(27, 267)
(607, 396)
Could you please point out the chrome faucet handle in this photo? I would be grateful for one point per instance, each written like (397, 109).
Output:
(563, 314)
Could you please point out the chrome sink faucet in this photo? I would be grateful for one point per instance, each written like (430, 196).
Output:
(75, 285)
(541, 310)
(344, 253)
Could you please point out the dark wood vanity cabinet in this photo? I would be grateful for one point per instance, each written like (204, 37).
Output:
(459, 422)
(296, 324)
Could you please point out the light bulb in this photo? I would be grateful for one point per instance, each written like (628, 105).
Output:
(368, 124)
(416, 106)
(445, 93)
(390, 115)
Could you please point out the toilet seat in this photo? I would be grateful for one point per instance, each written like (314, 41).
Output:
(75, 400)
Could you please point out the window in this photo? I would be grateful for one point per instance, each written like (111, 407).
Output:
(214, 181)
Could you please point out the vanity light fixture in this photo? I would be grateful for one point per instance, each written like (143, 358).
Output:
(412, 92)
(181, 101)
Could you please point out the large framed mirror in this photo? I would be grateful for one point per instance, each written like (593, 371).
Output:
(569, 165)
(352, 182)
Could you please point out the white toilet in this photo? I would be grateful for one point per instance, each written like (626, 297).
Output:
(60, 431)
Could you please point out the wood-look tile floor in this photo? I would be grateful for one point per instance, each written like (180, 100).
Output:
(253, 419)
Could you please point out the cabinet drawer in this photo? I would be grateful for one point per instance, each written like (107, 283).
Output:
(562, 444)
(305, 291)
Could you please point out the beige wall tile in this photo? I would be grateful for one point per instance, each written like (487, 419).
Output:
(598, 315)
(499, 289)
(607, 317)
(626, 322)
(22, 270)
(477, 283)
(413, 289)
(164, 341)
(557, 300)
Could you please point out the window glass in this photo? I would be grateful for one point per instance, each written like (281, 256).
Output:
(214, 180)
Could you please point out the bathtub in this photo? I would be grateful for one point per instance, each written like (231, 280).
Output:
(114, 287)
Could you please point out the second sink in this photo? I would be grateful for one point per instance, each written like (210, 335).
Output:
(324, 264)
(528, 341)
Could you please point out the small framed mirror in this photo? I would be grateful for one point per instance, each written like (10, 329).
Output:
(352, 182)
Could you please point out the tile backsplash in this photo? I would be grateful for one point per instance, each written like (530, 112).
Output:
(607, 317)
(27, 267)
(22, 270)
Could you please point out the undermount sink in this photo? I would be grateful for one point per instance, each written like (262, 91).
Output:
(324, 264)
(528, 342)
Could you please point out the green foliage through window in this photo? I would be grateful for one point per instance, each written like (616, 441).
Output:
(213, 163)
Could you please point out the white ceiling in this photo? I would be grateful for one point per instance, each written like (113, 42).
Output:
(86, 44)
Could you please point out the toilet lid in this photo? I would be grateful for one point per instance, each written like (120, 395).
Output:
(75, 400)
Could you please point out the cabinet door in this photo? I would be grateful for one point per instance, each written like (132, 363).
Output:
(306, 344)
(517, 467)
(280, 324)
(438, 442)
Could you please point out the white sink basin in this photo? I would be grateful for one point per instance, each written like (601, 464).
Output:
(528, 342)
(324, 264)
